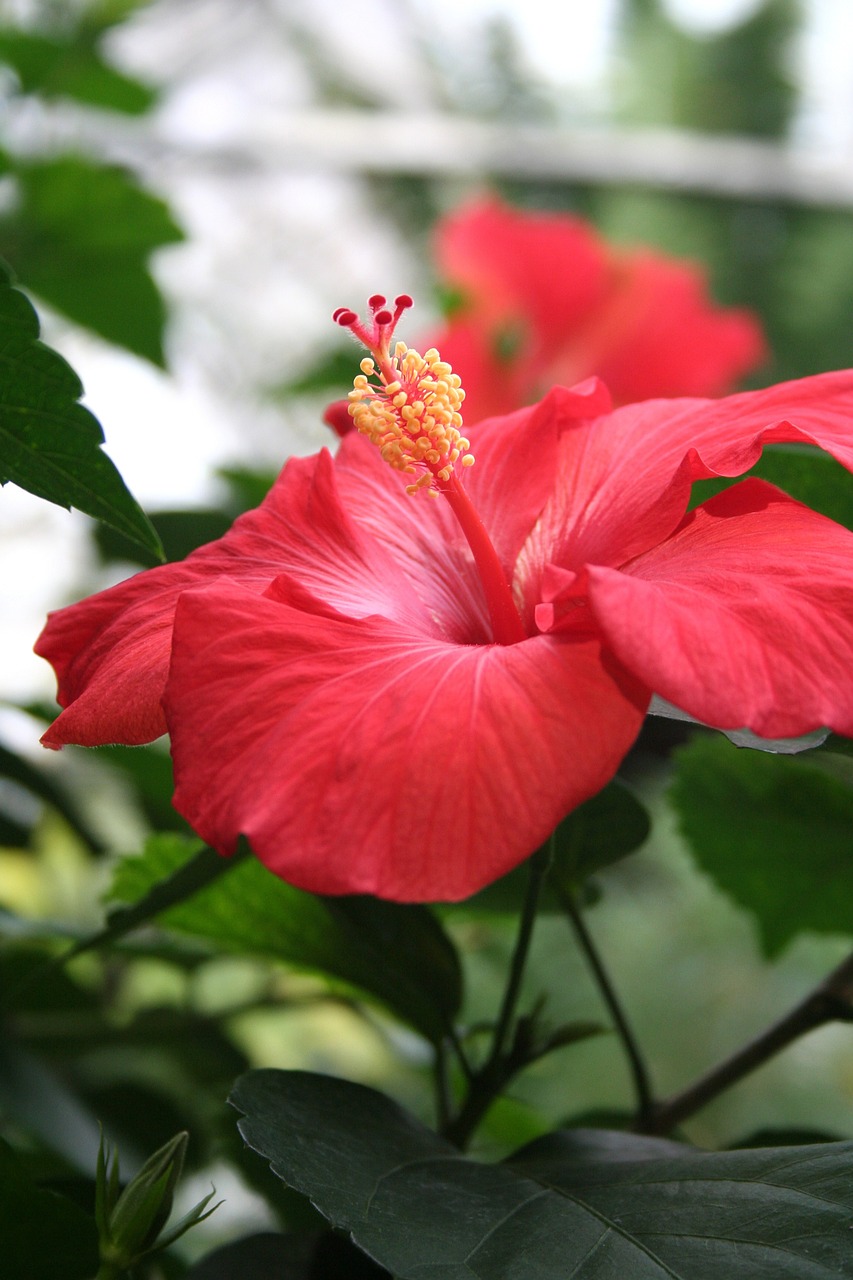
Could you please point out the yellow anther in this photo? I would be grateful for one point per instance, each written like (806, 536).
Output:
(412, 415)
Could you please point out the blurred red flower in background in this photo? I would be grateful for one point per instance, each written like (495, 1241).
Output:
(544, 300)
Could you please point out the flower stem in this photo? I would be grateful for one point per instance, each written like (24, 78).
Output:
(830, 1001)
(506, 620)
(536, 873)
(636, 1063)
(501, 1064)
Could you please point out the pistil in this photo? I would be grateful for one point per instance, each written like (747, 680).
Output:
(412, 414)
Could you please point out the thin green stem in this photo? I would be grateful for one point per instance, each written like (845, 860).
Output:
(537, 871)
(502, 1063)
(636, 1063)
(830, 1001)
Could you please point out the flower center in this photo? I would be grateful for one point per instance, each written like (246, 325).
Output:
(411, 413)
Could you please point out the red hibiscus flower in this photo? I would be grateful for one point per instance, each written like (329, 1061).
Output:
(396, 695)
(545, 301)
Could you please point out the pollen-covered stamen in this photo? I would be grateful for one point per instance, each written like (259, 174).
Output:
(411, 412)
(413, 416)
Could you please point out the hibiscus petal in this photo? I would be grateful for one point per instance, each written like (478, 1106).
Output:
(743, 618)
(659, 334)
(509, 484)
(621, 483)
(360, 757)
(508, 263)
(111, 651)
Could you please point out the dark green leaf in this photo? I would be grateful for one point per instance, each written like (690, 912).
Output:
(43, 1236)
(807, 474)
(50, 444)
(602, 831)
(81, 235)
(585, 1204)
(398, 954)
(774, 832)
(786, 1138)
(60, 68)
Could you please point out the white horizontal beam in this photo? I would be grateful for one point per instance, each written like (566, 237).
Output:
(442, 144)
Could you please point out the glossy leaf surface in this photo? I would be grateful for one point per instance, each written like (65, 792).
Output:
(586, 1205)
(49, 443)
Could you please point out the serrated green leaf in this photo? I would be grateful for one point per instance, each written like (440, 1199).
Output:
(81, 234)
(71, 68)
(582, 1203)
(396, 953)
(774, 832)
(49, 444)
(806, 473)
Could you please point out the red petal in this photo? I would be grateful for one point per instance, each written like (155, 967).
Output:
(621, 483)
(743, 618)
(660, 334)
(545, 268)
(111, 651)
(360, 757)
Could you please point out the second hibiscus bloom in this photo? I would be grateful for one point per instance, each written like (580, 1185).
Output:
(543, 300)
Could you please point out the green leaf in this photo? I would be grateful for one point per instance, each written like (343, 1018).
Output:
(580, 1203)
(50, 444)
(181, 877)
(71, 68)
(599, 832)
(398, 954)
(773, 832)
(42, 1234)
(807, 474)
(81, 234)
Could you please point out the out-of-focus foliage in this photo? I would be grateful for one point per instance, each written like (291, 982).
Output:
(78, 231)
(736, 82)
